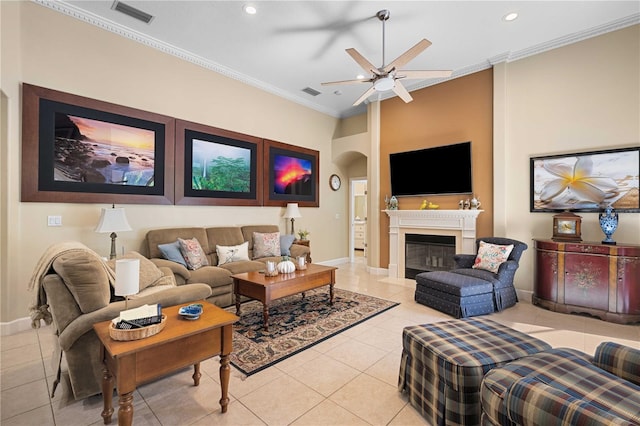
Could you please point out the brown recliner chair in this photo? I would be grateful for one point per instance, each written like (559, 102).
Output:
(74, 292)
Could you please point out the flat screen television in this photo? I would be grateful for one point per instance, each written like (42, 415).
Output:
(432, 171)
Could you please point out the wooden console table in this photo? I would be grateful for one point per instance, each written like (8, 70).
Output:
(587, 277)
(180, 344)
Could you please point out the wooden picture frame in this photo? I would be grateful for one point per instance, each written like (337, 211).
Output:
(217, 167)
(82, 150)
(292, 175)
(586, 181)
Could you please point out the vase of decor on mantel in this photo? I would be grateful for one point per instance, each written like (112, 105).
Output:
(393, 203)
(608, 224)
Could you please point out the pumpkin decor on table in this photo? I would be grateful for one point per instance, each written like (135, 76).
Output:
(286, 266)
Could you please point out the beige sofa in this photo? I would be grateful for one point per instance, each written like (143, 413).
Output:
(218, 277)
(72, 289)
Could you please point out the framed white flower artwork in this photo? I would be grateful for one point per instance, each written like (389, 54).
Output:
(586, 181)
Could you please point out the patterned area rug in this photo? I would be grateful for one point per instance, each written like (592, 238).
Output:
(296, 324)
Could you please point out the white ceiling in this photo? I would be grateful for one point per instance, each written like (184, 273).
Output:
(290, 45)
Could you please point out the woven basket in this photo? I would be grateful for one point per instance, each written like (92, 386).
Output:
(136, 333)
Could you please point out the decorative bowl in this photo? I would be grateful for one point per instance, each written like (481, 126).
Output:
(191, 312)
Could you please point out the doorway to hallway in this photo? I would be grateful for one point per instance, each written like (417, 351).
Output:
(358, 219)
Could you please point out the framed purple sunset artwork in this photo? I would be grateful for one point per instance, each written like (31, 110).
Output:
(291, 175)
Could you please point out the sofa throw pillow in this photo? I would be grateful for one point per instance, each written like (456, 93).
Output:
(150, 275)
(491, 256)
(86, 278)
(171, 251)
(266, 244)
(193, 254)
(228, 254)
(285, 244)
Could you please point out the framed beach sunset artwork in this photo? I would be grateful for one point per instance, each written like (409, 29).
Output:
(216, 166)
(586, 181)
(291, 176)
(82, 150)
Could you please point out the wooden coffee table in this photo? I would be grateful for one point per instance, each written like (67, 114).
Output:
(181, 343)
(267, 289)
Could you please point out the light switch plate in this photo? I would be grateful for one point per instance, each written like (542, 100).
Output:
(54, 220)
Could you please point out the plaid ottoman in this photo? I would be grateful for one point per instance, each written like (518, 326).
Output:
(443, 365)
(458, 295)
(565, 386)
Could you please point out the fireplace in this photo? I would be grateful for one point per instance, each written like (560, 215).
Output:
(424, 253)
(458, 224)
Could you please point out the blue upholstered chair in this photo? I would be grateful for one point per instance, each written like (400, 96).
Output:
(504, 293)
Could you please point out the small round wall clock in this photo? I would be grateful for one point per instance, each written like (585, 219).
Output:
(566, 227)
(335, 182)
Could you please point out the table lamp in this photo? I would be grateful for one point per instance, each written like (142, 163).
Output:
(127, 278)
(113, 220)
(292, 212)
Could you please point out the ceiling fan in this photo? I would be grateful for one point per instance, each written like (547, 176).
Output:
(388, 77)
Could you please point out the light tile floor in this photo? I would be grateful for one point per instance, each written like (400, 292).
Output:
(349, 379)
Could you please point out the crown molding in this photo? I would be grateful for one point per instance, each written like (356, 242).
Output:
(106, 24)
(90, 18)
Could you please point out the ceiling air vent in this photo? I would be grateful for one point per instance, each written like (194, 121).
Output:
(310, 91)
(132, 11)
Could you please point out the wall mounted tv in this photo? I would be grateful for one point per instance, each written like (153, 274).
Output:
(432, 171)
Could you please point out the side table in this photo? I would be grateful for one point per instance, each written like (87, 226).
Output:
(139, 361)
(306, 243)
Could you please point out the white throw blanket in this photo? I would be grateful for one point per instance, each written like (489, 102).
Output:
(39, 309)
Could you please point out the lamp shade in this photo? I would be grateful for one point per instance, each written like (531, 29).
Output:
(113, 220)
(127, 277)
(292, 211)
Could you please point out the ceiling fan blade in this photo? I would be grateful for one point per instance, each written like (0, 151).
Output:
(408, 55)
(362, 61)
(399, 90)
(420, 74)
(360, 80)
(364, 96)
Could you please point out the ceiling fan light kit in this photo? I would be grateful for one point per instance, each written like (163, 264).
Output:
(384, 83)
(387, 77)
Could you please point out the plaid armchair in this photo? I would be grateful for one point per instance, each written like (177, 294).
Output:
(504, 292)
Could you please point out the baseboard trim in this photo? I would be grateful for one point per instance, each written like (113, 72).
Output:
(15, 326)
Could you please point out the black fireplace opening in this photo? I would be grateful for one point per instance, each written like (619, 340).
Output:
(424, 253)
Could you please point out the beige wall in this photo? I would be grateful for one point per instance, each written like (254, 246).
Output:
(581, 97)
(49, 49)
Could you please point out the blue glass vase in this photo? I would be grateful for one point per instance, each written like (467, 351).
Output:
(608, 224)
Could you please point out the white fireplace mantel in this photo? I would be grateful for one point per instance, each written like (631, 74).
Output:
(458, 223)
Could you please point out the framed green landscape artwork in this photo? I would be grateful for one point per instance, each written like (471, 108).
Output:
(216, 166)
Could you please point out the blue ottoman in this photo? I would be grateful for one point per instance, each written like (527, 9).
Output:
(458, 295)
(443, 364)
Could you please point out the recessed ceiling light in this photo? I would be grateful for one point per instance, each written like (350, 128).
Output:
(337, 93)
(249, 9)
(510, 16)
(360, 77)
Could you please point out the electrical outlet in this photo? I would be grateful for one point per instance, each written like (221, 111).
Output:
(54, 220)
